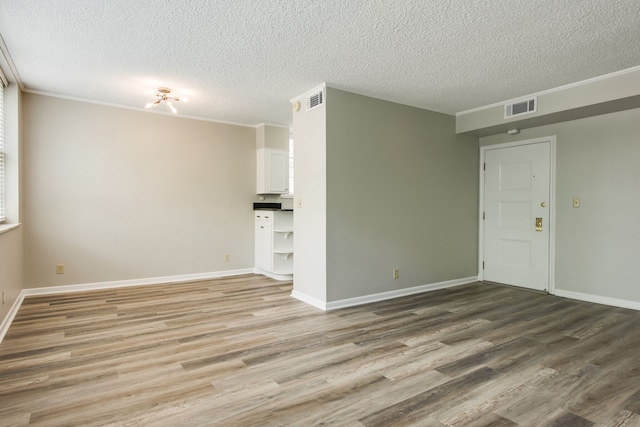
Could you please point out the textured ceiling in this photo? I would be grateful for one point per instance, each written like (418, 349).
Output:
(241, 61)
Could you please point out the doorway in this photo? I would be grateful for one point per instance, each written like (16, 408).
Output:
(517, 214)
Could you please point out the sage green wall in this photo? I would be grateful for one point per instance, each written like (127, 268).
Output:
(117, 194)
(598, 244)
(402, 192)
(11, 253)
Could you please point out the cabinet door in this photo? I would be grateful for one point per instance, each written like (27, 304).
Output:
(278, 165)
(263, 252)
(272, 171)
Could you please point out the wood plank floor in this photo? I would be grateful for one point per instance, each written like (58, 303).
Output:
(241, 352)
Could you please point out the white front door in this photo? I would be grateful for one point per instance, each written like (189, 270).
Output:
(516, 215)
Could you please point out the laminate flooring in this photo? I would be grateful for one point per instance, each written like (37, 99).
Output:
(240, 351)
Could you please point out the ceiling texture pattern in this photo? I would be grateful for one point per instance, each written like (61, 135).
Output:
(241, 61)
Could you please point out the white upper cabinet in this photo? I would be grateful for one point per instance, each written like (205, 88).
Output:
(272, 171)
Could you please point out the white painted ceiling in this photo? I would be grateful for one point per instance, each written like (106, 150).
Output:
(241, 61)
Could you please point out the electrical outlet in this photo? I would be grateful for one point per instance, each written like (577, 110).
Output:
(227, 257)
(396, 273)
(299, 203)
(60, 269)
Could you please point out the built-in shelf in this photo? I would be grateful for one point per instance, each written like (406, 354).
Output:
(274, 243)
(287, 233)
(286, 255)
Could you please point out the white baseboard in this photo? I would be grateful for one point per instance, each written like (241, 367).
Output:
(309, 300)
(367, 299)
(633, 305)
(134, 282)
(6, 322)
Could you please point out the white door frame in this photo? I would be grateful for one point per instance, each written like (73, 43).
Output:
(552, 203)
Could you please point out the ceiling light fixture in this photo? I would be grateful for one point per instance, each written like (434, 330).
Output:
(163, 95)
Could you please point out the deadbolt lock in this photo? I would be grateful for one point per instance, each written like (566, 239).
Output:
(543, 204)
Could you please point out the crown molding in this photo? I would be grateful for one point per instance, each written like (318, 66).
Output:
(140, 109)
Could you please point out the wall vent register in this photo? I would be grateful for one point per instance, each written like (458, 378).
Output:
(315, 100)
(520, 107)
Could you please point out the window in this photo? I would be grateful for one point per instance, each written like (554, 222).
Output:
(2, 156)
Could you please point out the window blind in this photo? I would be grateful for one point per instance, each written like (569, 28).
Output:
(2, 155)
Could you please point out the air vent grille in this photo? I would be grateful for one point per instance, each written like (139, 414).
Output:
(315, 100)
(520, 107)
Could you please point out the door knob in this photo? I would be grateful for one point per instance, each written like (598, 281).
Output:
(543, 204)
(538, 224)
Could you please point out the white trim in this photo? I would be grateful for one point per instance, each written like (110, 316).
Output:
(8, 319)
(134, 282)
(382, 296)
(552, 204)
(552, 218)
(615, 302)
(273, 125)
(275, 276)
(481, 218)
(555, 89)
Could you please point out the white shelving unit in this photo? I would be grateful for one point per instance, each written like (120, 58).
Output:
(274, 243)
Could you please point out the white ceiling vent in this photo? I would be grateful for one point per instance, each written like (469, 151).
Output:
(520, 107)
(315, 100)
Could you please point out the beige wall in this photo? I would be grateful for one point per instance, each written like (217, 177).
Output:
(116, 194)
(402, 192)
(597, 245)
(272, 137)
